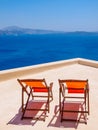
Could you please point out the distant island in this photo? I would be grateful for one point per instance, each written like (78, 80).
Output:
(15, 30)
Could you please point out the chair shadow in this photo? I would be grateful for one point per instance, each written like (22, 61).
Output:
(56, 119)
(33, 115)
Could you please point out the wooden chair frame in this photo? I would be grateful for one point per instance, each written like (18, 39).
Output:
(63, 97)
(30, 90)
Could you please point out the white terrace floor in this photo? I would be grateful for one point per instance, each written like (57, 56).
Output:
(10, 95)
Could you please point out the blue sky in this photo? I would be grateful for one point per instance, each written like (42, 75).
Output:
(60, 15)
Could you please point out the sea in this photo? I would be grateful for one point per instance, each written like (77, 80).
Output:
(26, 50)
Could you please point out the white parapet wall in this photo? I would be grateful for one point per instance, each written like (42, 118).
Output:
(15, 73)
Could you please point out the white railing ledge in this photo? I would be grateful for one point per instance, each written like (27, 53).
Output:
(15, 73)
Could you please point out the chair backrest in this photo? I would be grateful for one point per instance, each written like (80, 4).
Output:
(37, 85)
(74, 86)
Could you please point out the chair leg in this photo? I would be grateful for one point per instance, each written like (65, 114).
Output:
(25, 107)
(51, 95)
(60, 100)
(22, 100)
(48, 107)
(88, 103)
(85, 102)
(62, 110)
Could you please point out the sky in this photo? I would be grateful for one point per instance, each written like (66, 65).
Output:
(58, 15)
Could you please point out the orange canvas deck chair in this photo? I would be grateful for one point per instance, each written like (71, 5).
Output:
(32, 90)
(74, 100)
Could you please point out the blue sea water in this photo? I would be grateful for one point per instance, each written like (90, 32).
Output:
(25, 50)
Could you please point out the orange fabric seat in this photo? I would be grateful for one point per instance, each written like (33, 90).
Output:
(36, 86)
(76, 87)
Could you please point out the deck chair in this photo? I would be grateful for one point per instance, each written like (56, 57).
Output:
(35, 88)
(74, 99)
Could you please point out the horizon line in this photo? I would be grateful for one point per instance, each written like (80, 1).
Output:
(63, 31)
